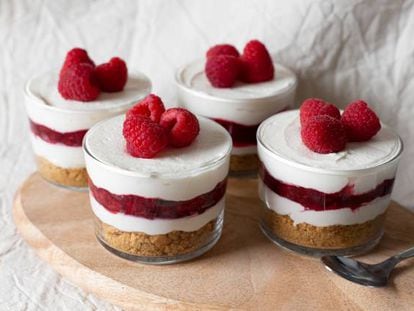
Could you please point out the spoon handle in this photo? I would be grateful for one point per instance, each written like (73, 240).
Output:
(405, 254)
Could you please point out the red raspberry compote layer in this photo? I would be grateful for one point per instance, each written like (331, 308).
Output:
(332, 201)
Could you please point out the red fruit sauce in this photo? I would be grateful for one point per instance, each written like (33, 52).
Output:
(242, 135)
(319, 201)
(72, 139)
(151, 208)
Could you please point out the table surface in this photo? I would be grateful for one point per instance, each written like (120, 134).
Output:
(243, 271)
(340, 51)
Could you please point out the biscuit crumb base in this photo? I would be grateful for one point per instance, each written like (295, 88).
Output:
(170, 244)
(243, 163)
(329, 237)
(72, 177)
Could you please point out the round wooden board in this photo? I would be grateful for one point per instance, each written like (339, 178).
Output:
(243, 271)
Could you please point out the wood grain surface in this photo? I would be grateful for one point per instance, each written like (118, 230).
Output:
(243, 271)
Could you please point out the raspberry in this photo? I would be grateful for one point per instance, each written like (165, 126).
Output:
(324, 134)
(315, 107)
(360, 121)
(151, 107)
(257, 63)
(76, 56)
(144, 138)
(182, 126)
(222, 70)
(222, 49)
(112, 76)
(78, 82)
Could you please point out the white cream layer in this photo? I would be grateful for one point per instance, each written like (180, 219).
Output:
(343, 216)
(45, 87)
(174, 174)
(47, 107)
(130, 223)
(244, 150)
(246, 104)
(281, 134)
(287, 159)
(58, 154)
(194, 77)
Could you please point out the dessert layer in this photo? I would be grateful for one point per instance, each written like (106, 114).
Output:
(72, 177)
(241, 135)
(128, 223)
(312, 199)
(244, 104)
(322, 218)
(72, 139)
(151, 208)
(245, 150)
(212, 145)
(280, 134)
(329, 237)
(58, 154)
(240, 164)
(171, 244)
(193, 77)
(45, 106)
(45, 88)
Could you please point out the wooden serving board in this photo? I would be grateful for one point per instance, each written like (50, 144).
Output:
(243, 271)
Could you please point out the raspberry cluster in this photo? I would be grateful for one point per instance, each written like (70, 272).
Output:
(149, 128)
(324, 130)
(81, 80)
(225, 65)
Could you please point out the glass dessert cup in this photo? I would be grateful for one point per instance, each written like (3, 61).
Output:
(157, 211)
(317, 211)
(57, 126)
(239, 109)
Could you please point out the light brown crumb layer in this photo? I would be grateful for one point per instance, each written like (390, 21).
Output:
(329, 237)
(73, 177)
(240, 163)
(141, 244)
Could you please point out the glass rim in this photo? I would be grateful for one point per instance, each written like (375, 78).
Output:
(185, 173)
(181, 85)
(38, 101)
(360, 171)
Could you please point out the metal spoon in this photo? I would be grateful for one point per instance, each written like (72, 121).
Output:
(375, 275)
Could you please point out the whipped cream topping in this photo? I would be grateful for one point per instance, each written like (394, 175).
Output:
(45, 88)
(281, 135)
(193, 77)
(106, 143)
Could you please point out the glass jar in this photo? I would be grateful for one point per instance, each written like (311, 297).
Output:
(239, 109)
(161, 210)
(324, 204)
(57, 126)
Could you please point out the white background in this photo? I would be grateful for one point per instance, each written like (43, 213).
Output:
(341, 50)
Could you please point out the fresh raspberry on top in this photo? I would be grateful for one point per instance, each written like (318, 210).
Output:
(151, 107)
(256, 63)
(223, 70)
(144, 138)
(112, 76)
(78, 82)
(222, 49)
(182, 126)
(360, 121)
(76, 56)
(316, 107)
(324, 134)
